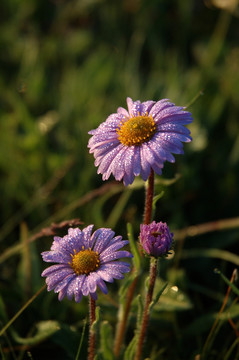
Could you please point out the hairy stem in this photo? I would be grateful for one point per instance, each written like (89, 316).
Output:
(91, 348)
(149, 199)
(130, 294)
(145, 318)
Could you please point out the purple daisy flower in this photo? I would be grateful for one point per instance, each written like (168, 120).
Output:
(156, 238)
(84, 261)
(131, 142)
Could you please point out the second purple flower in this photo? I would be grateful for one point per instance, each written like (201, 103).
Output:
(156, 238)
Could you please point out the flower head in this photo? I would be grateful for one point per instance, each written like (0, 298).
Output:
(84, 261)
(131, 142)
(156, 238)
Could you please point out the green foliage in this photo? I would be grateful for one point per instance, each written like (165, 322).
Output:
(64, 67)
(44, 329)
(106, 341)
(158, 295)
(133, 248)
(228, 282)
(131, 348)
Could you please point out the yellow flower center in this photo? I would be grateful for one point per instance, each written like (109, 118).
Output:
(136, 130)
(85, 261)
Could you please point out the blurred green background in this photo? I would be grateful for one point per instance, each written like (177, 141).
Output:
(64, 67)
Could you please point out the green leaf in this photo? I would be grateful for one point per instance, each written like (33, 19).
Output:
(3, 314)
(171, 298)
(98, 206)
(81, 340)
(44, 329)
(140, 311)
(2, 353)
(156, 299)
(97, 318)
(131, 348)
(156, 198)
(146, 283)
(133, 248)
(204, 322)
(106, 341)
(125, 285)
(118, 209)
(167, 182)
(212, 253)
(228, 282)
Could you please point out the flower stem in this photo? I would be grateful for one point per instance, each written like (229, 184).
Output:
(149, 199)
(91, 348)
(130, 294)
(145, 318)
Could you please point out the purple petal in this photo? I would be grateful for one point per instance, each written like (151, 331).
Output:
(145, 165)
(128, 161)
(136, 107)
(51, 256)
(123, 112)
(64, 282)
(102, 286)
(114, 247)
(162, 154)
(115, 256)
(78, 287)
(54, 279)
(107, 272)
(105, 275)
(182, 118)
(121, 266)
(85, 287)
(56, 243)
(69, 242)
(62, 294)
(92, 279)
(71, 288)
(137, 161)
(159, 106)
(108, 159)
(103, 239)
(117, 165)
(106, 148)
(87, 235)
(54, 268)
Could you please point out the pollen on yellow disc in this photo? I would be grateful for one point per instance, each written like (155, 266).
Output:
(85, 261)
(136, 130)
